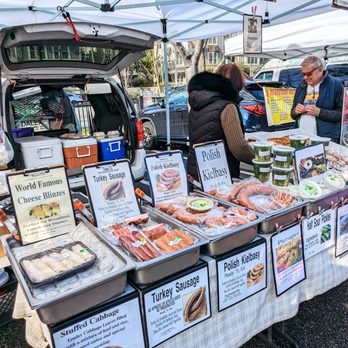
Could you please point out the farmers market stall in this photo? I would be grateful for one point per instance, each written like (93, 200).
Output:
(242, 254)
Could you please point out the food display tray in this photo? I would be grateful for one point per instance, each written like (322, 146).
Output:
(63, 306)
(147, 272)
(228, 240)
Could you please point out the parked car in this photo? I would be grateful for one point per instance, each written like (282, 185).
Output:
(43, 61)
(252, 108)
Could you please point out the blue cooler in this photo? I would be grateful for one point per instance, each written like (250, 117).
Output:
(111, 149)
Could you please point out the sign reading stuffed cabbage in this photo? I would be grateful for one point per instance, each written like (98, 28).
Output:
(212, 165)
(278, 102)
(42, 203)
(167, 174)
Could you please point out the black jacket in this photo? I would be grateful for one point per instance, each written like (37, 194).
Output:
(209, 94)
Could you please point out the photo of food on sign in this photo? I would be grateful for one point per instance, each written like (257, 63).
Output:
(113, 190)
(44, 211)
(325, 234)
(255, 275)
(312, 166)
(343, 225)
(195, 305)
(289, 254)
(169, 179)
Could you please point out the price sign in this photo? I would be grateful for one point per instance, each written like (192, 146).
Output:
(242, 274)
(212, 165)
(342, 231)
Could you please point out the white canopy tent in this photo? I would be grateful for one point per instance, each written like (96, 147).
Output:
(324, 35)
(170, 20)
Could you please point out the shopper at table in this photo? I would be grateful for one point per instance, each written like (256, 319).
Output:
(215, 115)
(317, 106)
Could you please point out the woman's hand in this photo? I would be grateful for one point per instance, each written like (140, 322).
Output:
(300, 109)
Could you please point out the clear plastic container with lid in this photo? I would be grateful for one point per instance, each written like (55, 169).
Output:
(262, 151)
(282, 156)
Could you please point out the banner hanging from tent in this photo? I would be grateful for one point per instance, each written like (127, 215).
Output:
(252, 34)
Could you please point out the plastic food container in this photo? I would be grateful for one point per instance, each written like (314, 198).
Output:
(262, 170)
(200, 204)
(40, 151)
(111, 149)
(99, 135)
(79, 152)
(298, 141)
(281, 176)
(113, 134)
(262, 151)
(320, 140)
(282, 156)
(334, 181)
(309, 189)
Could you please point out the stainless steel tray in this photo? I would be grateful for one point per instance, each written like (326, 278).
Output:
(156, 269)
(228, 240)
(63, 306)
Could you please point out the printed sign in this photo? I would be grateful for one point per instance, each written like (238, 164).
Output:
(344, 125)
(342, 231)
(111, 191)
(310, 163)
(287, 258)
(118, 325)
(168, 177)
(242, 274)
(318, 232)
(177, 306)
(278, 102)
(212, 166)
(252, 34)
(42, 203)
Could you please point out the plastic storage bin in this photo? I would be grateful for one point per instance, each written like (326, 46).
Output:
(40, 151)
(111, 149)
(22, 132)
(79, 152)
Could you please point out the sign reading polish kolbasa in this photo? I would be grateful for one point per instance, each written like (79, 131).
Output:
(212, 165)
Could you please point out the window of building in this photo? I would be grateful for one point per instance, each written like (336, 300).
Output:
(212, 41)
(213, 58)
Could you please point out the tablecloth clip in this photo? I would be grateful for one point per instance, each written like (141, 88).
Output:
(300, 218)
(278, 228)
(344, 200)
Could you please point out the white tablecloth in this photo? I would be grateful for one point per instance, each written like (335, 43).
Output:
(237, 324)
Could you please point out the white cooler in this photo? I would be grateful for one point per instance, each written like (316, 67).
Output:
(40, 151)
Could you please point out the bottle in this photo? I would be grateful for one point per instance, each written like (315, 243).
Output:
(79, 206)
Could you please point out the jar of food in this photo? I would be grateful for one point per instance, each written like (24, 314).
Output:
(282, 156)
(262, 170)
(262, 151)
(298, 141)
(281, 176)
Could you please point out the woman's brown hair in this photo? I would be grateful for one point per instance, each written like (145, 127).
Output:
(233, 73)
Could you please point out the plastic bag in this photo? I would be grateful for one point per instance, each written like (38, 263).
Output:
(6, 149)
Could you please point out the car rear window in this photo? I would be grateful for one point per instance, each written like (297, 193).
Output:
(339, 71)
(265, 75)
(291, 77)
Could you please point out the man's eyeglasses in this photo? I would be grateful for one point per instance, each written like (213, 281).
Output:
(310, 73)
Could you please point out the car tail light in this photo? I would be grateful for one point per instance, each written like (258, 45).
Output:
(140, 134)
(256, 109)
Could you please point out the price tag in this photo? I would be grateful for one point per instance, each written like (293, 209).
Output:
(288, 258)
(242, 274)
(319, 232)
(111, 191)
(212, 165)
(42, 203)
(116, 324)
(177, 305)
(168, 177)
(342, 231)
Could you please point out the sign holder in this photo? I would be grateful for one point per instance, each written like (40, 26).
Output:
(341, 224)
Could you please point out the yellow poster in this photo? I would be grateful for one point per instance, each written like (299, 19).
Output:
(278, 102)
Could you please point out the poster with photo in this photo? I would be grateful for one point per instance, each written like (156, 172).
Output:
(167, 176)
(252, 34)
(344, 125)
(111, 192)
(42, 203)
(212, 165)
(310, 163)
(288, 258)
(342, 231)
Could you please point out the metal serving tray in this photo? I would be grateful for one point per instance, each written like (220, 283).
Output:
(63, 306)
(227, 241)
(156, 269)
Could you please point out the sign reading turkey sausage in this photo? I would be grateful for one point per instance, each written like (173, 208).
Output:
(212, 166)
(111, 191)
(177, 305)
(242, 274)
(167, 175)
(42, 203)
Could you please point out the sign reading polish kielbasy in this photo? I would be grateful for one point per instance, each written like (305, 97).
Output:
(212, 165)
(242, 273)
(167, 176)
(110, 187)
(319, 232)
(177, 305)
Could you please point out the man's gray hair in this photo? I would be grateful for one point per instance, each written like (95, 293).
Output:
(315, 60)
